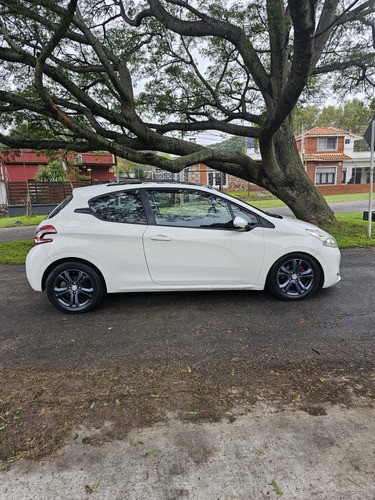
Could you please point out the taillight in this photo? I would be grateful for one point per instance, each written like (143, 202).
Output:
(41, 233)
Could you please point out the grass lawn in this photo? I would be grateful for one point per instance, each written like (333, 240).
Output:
(337, 198)
(26, 221)
(352, 230)
(14, 252)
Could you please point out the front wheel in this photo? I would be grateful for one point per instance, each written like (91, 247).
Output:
(74, 287)
(294, 277)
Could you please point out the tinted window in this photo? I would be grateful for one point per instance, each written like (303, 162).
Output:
(190, 208)
(119, 207)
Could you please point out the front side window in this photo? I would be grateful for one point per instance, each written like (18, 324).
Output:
(190, 208)
(251, 218)
(124, 206)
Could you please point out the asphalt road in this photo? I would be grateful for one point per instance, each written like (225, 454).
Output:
(352, 206)
(335, 324)
(16, 233)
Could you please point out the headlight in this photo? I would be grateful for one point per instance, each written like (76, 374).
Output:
(325, 238)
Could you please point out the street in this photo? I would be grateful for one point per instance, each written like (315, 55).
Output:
(347, 206)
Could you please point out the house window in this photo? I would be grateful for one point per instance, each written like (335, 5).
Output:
(163, 175)
(214, 179)
(347, 141)
(325, 175)
(327, 143)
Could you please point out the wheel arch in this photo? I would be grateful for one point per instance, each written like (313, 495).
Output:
(70, 259)
(303, 254)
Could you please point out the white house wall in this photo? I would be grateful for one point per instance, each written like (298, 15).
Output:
(360, 160)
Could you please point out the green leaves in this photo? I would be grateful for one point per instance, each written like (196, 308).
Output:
(90, 489)
(53, 172)
(276, 487)
(149, 453)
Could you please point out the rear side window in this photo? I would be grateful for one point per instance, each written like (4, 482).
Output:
(123, 206)
(62, 205)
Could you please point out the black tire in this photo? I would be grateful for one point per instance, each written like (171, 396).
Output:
(294, 277)
(74, 287)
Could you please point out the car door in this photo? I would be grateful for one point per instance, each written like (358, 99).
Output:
(192, 241)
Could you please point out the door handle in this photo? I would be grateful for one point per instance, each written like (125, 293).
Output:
(160, 237)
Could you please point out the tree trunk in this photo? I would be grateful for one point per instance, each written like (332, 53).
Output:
(285, 176)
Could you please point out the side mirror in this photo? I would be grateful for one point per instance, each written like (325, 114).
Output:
(240, 223)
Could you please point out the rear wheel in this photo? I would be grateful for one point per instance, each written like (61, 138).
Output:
(294, 277)
(74, 287)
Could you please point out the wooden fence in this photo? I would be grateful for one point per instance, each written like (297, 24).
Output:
(40, 192)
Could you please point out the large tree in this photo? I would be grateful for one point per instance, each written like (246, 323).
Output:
(135, 78)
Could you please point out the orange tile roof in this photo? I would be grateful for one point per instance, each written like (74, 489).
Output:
(326, 156)
(319, 131)
(326, 131)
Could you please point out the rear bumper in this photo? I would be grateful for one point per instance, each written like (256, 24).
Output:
(37, 262)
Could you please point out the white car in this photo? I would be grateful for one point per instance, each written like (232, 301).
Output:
(155, 236)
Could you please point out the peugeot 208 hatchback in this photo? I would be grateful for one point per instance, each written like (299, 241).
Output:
(167, 236)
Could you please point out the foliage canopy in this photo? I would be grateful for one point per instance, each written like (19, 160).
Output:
(134, 78)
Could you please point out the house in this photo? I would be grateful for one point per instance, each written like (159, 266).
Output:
(327, 154)
(22, 165)
(19, 168)
(198, 173)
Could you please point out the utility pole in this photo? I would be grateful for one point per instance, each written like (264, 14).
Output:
(371, 178)
(369, 136)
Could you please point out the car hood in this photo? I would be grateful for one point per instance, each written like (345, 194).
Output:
(297, 223)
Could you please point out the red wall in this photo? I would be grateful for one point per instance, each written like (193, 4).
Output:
(344, 189)
(19, 167)
(311, 145)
